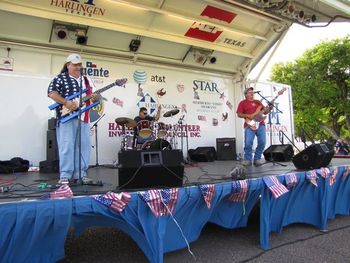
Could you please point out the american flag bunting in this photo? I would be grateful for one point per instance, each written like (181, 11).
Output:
(312, 177)
(333, 176)
(276, 188)
(324, 172)
(208, 191)
(116, 202)
(160, 201)
(291, 180)
(346, 173)
(239, 191)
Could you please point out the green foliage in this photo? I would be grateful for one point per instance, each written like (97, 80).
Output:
(320, 81)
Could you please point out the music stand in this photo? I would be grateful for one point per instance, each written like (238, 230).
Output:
(271, 159)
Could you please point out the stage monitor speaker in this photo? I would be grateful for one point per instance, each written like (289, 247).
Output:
(51, 146)
(147, 169)
(226, 148)
(49, 166)
(313, 157)
(279, 153)
(204, 154)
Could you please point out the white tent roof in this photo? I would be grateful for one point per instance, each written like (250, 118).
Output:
(220, 36)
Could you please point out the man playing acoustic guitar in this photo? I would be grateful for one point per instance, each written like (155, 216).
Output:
(252, 110)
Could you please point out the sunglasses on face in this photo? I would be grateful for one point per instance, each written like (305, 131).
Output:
(144, 112)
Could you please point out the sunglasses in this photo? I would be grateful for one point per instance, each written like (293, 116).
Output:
(144, 112)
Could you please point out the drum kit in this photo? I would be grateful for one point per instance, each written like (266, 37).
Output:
(159, 135)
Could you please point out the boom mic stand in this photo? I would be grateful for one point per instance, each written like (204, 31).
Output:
(96, 140)
(270, 125)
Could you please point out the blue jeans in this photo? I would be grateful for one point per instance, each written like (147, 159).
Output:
(249, 136)
(68, 148)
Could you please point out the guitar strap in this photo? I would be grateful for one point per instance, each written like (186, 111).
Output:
(88, 92)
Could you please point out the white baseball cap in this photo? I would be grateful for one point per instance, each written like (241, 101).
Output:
(74, 58)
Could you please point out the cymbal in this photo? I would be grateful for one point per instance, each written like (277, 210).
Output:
(171, 113)
(130, 123)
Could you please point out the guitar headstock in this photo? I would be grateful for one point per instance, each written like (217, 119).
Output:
(281, 91)
(121, 82)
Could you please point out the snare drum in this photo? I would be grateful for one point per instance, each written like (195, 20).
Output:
(162, 129)
(144, 128)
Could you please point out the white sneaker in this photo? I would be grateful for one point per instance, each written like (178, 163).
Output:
(63, 181)
(86, 180)
(246, 163)
(259, 162)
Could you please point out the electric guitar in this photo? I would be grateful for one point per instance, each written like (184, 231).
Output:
(65, 111)
(259, 114)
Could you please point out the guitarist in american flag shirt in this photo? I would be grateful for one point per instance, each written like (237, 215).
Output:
(249, 109)
(63, 85)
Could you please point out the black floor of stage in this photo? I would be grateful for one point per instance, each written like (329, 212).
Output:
(31, 185)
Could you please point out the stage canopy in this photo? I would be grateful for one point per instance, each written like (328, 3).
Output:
(222, 36)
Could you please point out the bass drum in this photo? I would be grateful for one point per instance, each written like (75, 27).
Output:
(158, 144)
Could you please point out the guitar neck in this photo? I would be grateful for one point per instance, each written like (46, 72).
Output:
(88, 97)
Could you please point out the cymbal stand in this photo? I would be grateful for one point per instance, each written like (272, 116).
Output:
(123, 143)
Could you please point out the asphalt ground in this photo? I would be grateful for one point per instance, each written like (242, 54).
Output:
(296, 243)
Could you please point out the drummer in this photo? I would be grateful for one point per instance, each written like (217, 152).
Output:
(143, 115)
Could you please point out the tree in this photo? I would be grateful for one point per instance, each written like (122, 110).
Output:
(320, 81)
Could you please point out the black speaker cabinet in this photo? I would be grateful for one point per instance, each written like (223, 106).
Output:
(49, 166)
(204, 154)
(313, 157)
(150, 168)
(279, 153)
(226, 148)
(51, 124)
(51, 146)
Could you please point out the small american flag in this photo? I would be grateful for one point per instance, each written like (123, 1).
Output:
(333, 176)
(116, 202)
(239, 191)
(312, 177)
(208, 191)
(63, 191)
(291, 180)
(276, 188)
(160, 201)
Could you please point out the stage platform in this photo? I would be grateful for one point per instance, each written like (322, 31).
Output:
(316, 197)
(26, 186)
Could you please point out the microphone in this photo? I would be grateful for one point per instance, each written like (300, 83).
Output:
(258, 91)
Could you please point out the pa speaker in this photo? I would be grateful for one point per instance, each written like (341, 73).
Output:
(204, 154)
(49, 166)
(313, 157)
(279, 153)
(51, 145)
(147, 168)
(226, 148)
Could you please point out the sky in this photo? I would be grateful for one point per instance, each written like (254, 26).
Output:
(297, 40)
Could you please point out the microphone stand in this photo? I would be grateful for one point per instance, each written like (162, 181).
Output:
(79, 122)
(270, 125)
(96, 140)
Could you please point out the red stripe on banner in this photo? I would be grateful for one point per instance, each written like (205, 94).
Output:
(219, 14)
(203, 35)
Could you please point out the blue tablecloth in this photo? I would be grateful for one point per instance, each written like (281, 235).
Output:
(37, 229)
